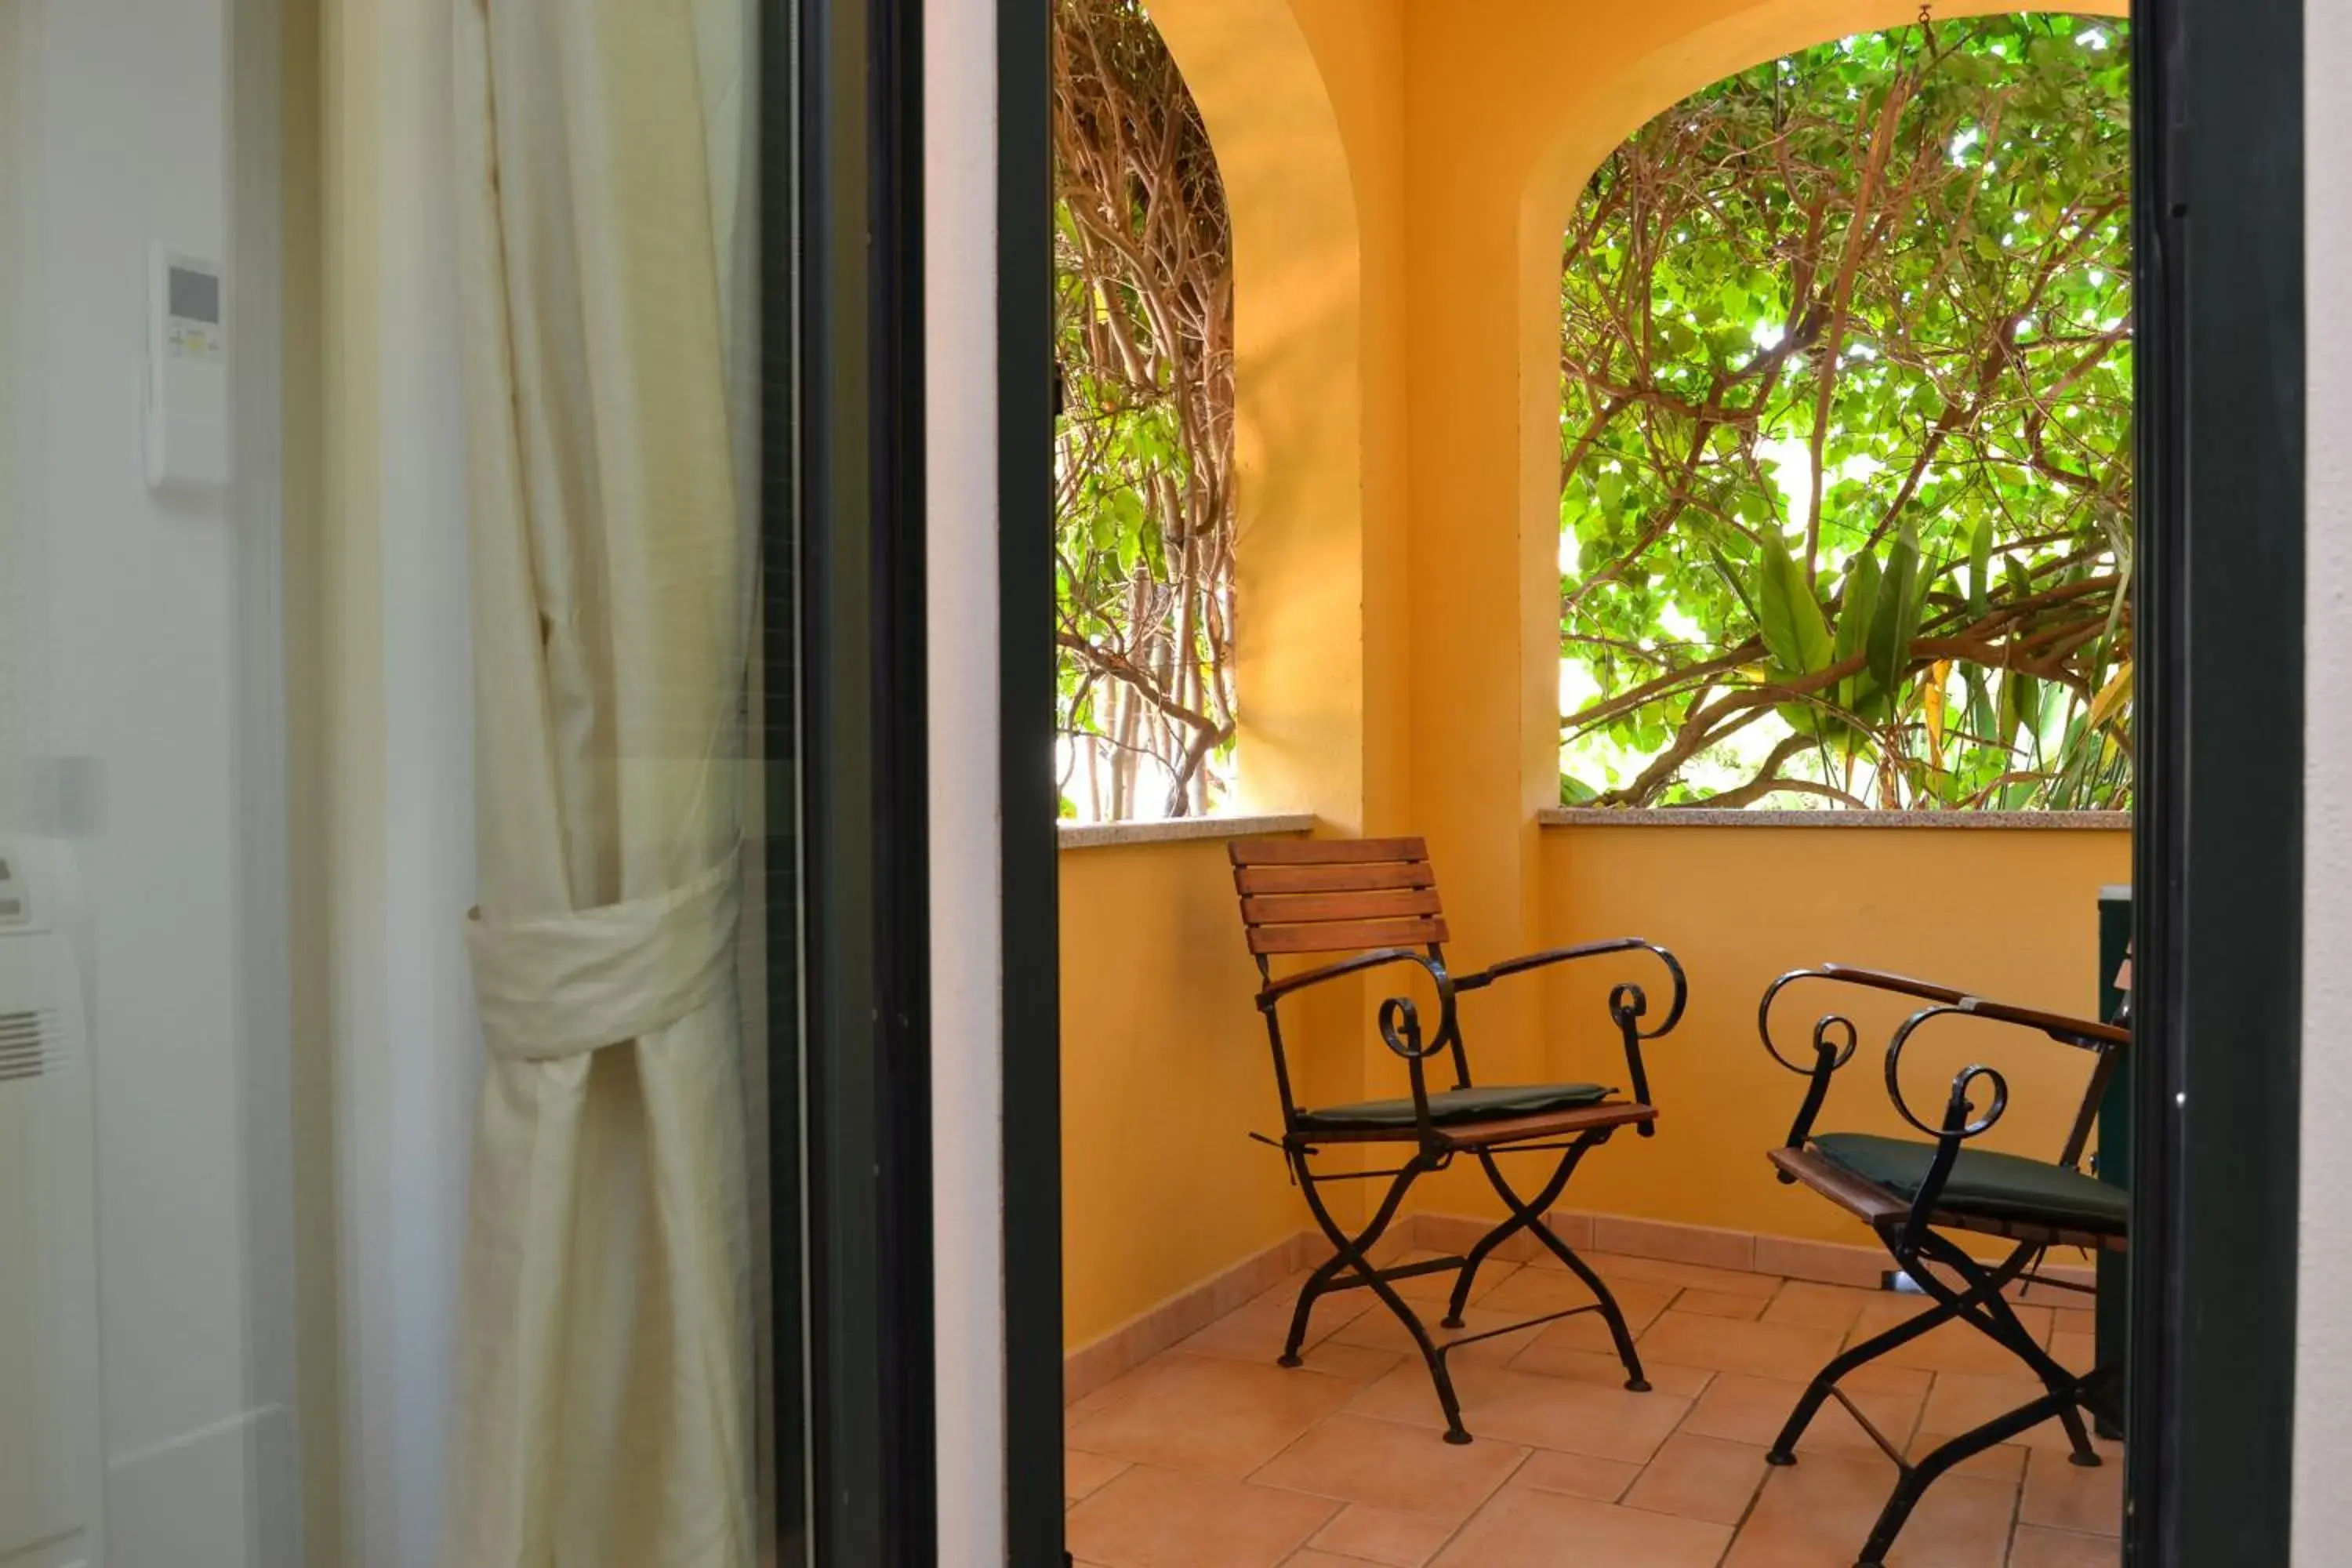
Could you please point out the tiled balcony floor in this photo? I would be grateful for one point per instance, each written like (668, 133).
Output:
(1209, 1455)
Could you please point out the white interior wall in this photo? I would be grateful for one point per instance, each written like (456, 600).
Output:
(394, 688)
(967, 894)
(143, 679)
(2323, 1412)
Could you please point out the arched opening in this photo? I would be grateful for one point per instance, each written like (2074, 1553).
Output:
(1272, 463)
(1845, 367)
(1203, 132)
(1144, 498)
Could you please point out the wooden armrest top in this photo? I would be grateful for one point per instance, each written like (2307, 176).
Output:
(2048, 1023)
(1880, 980)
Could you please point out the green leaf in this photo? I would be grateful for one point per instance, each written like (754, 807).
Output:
(1731, 581)
(1894, 619)
(1980, 570)
(1795, 631)
(1861, 595)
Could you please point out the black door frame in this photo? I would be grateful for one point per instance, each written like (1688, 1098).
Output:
(2221, 300)
(2220, 136)
(843, 535)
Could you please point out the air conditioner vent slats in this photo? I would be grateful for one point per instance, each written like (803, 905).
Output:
(29, 1045)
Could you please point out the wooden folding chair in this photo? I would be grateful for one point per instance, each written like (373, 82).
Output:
(1911, 1191)
(1376, 899)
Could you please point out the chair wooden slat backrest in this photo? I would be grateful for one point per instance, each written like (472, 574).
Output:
(1336, 895)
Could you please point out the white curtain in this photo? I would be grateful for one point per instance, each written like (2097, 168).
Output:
(605, 1413)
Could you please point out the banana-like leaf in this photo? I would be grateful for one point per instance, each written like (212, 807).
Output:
(1980, 570)
(1731, 580)
(2113, 695)
(1894, 619)
(2020, 702)
(1796, 634)
(1932, 708)
(1860, 596)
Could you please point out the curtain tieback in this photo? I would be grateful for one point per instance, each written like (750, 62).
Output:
(560, 986)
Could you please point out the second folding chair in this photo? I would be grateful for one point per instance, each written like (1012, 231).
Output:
(1376, 900)
(1915, 1194)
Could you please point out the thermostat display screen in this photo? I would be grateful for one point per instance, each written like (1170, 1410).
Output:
(196, 296)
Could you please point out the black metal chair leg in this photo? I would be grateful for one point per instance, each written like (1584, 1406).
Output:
(1520, 1217)
(1478, 1255)
(1917, 1478)
(1784, 1447)
(1528, 1214)
(1352, 1253)
(1308, 1294)
(1987, 1309)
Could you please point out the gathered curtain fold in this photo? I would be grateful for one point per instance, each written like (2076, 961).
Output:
(604, 1402)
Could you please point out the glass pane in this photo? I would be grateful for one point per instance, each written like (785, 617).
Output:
(399, 1009)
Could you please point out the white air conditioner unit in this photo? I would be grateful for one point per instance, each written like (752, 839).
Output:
(50, 1458)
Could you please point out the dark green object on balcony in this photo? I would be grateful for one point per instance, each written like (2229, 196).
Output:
(2113, 1161)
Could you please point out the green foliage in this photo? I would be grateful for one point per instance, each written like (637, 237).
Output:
(1847, 382)
(1144, 515)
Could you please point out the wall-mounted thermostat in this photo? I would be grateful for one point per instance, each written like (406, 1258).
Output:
(187, 372)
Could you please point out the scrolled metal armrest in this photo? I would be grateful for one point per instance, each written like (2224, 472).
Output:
(1821, 1026)
(1409, 1047)
(1835, 1039)
(1625, 999)
(1957, 1124)
(1960, 1124)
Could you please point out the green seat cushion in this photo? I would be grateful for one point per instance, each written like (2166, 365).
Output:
(1983, 1183)
(1455, 1107)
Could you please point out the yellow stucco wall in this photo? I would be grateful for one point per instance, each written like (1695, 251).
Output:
(1165, 1072)
(2013, 914)
(1165, 1067)
(1399, 173)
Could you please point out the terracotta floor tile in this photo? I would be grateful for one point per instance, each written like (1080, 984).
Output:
(2038, 1548)
(1818, 1306)
(1953, 1347)
(1310, 1558)
(1591, 1332)
(2075, 1352)
(1379, 1330)
(2001, 1462)
(1760, 1350)
(1152, 1518)
(1100, 1400)
(1548, 1358)
(1720, 1304)
(1700, 1478)
(1616, 1266)
(2051, 1436)
(1961, 1401)
(1523, 1528)
(1577, 1475)
(1084, 1473)
(1255, 1330)
(2062, 1495)
(1818, 1513)
(1439, 1287)
(1212, 1416)
(1534, 1412)
(2046, 1294)
(1366, 1534)
(1358, 1364)
(1885, 1310)
(1532, 1291)
(1356, 1459)
(1746, 1409)
(1880, 1378)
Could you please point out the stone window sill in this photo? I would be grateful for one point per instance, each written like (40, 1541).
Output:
(1177, 830)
